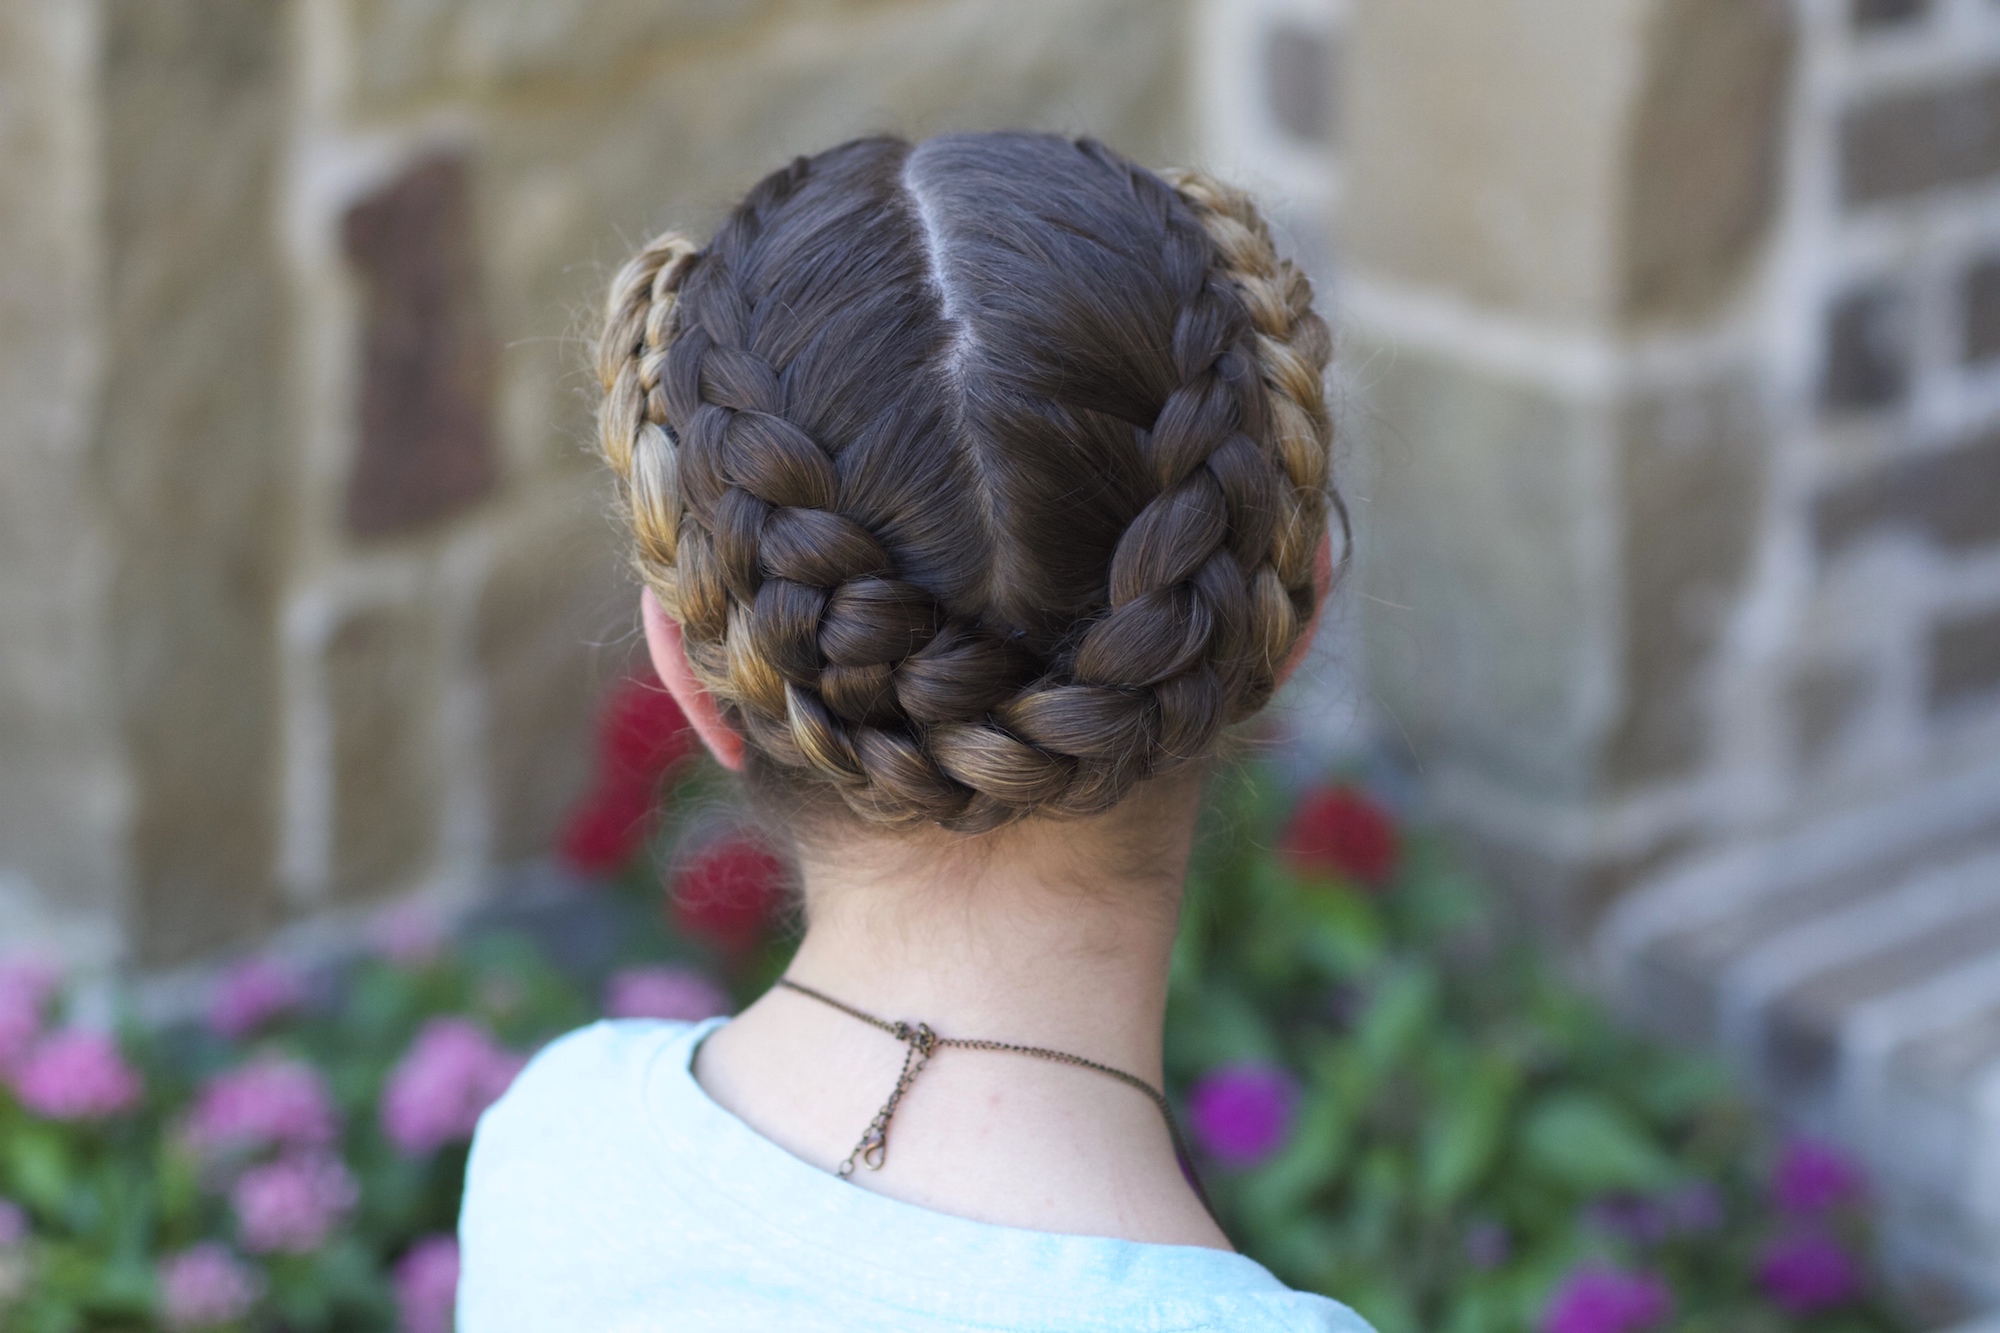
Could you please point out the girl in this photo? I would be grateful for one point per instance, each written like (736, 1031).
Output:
(977, 485)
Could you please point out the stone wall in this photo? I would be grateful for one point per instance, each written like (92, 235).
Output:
(307, 584)
(1671, 333)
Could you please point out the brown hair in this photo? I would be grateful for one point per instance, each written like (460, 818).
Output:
(985, 476)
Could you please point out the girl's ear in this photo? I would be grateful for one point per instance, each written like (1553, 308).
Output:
(1322, 586)
(663, 641)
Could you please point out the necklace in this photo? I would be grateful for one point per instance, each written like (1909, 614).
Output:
(921, 1041)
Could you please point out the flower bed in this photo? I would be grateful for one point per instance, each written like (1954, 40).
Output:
(1396, 1102)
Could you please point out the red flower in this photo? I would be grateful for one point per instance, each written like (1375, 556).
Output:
(729, 891)
(641, 735)
(607, 829)
(1339, 831)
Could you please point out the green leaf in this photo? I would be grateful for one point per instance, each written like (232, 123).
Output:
(1464, 1134)
(1403, 1004)
(1592, 1145)
(1339, 931)
(39, 1164)
(1273, 1194)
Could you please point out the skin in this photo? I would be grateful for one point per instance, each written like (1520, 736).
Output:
(1044, 933)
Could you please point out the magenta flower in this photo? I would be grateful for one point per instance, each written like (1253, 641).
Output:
(410, 935)
(13, 1224)
(1607, 1300)
(206, 1287)
(453, 1071)
(426, 1281)
(26, 985)
(1242, 1113)
(251, 995)
(267, 1103)
(76, 1075)
(1806, 1272)
(1812, 1176)
(292, 1204)
(663, 992)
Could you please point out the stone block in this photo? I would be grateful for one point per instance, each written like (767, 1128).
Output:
(193, 445)
(1484, 148)
(1704, 166)
(413, 48)
(425, 448)
(382, 671)
(1489, 585)
(1692, 493)
(1867, 350)
(1965, 659)
(1949, 497)
(62, 827)
(1905, 143)
(556, 623)
(1889, 13)
(1979, 311)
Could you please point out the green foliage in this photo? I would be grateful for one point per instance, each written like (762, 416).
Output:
(1469, 1128)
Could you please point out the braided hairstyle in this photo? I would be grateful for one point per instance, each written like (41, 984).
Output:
(985, 476)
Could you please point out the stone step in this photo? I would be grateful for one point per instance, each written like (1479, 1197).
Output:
(1851, 971)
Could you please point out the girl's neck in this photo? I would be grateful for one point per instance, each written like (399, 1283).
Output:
(1045, 935)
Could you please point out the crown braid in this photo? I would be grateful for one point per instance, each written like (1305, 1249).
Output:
(917, 705)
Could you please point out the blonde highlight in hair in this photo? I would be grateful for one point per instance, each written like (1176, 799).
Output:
(985, 477)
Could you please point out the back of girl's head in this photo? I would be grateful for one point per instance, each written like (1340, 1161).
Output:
(985, 477)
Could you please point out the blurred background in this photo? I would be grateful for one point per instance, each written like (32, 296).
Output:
(1669, 396)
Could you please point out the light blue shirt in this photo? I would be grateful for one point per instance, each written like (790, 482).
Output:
(608, 1192)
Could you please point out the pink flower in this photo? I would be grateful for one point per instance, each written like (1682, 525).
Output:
(453, 1071)
(1812, 1176)
(205, 1287)
(663, 992)
(410, 935)
(1808, 1272)
(76, 1075)
(292, 1204)
(270, 1102)
(26, 985)
(13, 1224)
(427, 1285)
(1606, 1300)
(1241, 1114)
(251, 995)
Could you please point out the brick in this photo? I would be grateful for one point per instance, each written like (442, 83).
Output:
(1949, 497)
(1867, 350)
(194, 439)
(1965, 659)
(1802, 1026)
(1979, 298)
(1824, 700)
(426, 444)
(1887, 13)
(382, 671)
(1907, 143)
(1298, 81)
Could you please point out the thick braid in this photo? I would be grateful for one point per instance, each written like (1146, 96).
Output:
(1293, 348)
(792, 611)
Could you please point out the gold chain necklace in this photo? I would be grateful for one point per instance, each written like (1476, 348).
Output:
(921, 1041)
